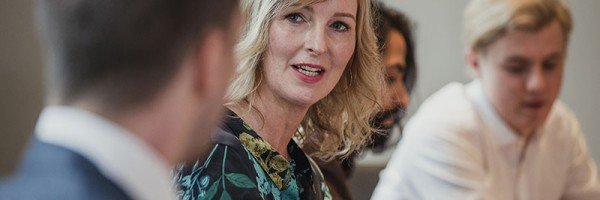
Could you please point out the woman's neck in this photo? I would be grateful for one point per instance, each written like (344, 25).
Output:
(278, 123)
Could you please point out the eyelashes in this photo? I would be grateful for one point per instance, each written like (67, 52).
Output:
(298, 18)
(340, 26)
(295, 18)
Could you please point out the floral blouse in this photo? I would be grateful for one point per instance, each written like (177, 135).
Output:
(244, 166)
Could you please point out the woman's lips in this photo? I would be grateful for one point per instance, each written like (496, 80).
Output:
(309, 73)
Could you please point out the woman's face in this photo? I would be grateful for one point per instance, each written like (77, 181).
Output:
(308, 51)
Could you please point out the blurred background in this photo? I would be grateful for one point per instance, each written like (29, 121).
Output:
(439, 56)
(21, 93)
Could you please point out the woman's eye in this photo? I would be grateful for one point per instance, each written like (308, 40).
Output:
(294, 17)
(340, 26)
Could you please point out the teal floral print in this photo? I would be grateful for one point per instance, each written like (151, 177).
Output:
(247, 167)
(237, 179)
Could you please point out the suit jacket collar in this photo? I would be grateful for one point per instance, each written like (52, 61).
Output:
(119, 155)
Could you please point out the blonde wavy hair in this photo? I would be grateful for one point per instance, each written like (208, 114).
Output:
(338, 124)
(488, 20)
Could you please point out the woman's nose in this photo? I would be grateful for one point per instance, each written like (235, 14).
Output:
(316, 41)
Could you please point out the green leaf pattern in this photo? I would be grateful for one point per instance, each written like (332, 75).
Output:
(258, 172)
(240, 180)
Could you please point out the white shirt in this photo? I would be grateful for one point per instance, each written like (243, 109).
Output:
(123, 158)
(457, 147)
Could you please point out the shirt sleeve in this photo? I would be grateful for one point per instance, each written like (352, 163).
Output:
(582, 179)
(226, 173)
(433, 162)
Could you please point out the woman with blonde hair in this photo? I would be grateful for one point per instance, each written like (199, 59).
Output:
(308, 70)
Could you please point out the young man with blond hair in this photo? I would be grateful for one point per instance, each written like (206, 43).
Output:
(504, 135)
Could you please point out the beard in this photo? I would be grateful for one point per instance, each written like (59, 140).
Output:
(383, 122)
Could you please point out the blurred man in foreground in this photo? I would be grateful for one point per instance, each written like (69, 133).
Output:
(136, 86)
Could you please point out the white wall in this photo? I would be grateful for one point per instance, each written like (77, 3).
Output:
(440, 56)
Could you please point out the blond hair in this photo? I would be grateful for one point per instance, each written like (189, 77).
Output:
(338, 124)
(486, 21)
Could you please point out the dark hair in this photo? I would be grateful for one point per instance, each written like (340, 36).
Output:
(388, 19)
(123, 52)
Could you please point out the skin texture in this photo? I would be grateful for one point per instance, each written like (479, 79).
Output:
(322, 35)
(521, 74)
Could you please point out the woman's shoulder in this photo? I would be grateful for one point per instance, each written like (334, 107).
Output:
(227, 172)
(227, 153)
(226, 137)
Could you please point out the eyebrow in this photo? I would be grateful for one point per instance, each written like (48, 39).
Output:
(337, 14)
(520, 59)
(399, 67)
(515, 58)
(555, 55)
(345, 15)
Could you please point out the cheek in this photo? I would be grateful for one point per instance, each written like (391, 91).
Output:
(387, 98)
(556, 81)
(506, 87)
(500, 88)
(342, 51)
(281, 41)
(506, 84)
(274, 52)
(277, 54)
(341, 58)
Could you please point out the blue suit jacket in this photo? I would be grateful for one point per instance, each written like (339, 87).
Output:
(53, 172)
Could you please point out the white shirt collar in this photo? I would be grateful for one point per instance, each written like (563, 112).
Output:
(119, 155)
(500, 130)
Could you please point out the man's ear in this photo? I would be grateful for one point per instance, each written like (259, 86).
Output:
(472, 60)
(209, 54)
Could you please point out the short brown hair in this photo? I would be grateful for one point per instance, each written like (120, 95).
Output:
(122, 52)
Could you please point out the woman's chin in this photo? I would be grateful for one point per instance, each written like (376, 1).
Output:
(305, 102)
(305, 99)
